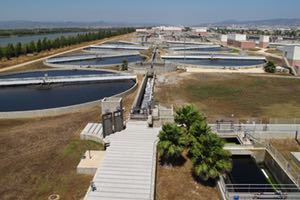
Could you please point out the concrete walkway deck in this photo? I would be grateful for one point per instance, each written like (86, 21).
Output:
(87, 57)
(128, 169)
(214, 57)
(128, 47)
(64, 79)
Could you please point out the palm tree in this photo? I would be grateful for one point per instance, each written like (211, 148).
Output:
(209, 158)
(198, 128)
(171, 141)
(187, 115)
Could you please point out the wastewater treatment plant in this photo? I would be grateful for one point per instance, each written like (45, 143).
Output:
(158, 113)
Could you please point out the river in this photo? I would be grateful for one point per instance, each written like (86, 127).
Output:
(28, 38)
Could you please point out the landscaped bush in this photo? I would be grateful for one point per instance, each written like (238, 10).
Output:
(270, 67)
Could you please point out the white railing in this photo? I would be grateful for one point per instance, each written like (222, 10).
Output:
(284, 164)
(57, 79)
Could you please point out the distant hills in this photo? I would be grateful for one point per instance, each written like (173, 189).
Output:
(22, 24)
(266, 22)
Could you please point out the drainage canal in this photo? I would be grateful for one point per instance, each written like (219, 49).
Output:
(143, 102)
(258, 177)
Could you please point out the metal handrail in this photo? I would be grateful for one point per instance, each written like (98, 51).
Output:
(294, 175)
(62, 77)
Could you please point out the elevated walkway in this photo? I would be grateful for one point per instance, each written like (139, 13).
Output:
(87, 57)
(214, 57)
(189, 42)
(64, 79)
(193, 47)
(128, 169)
(128, 47)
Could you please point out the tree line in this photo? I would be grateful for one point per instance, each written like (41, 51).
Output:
(38, 31)
(10, 50)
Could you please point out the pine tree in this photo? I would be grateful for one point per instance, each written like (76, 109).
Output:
(44, 44)
(18, 49)
(39, 46)
(1, 52)
(9, 51)
(32, 47)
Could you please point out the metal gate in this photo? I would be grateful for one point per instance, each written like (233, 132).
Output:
(107, 121)
(118, 121)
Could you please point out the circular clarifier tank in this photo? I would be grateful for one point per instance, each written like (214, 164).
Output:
(40, 97)
(103, 61)
(216, 63)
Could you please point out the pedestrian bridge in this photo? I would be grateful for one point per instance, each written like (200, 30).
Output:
(194, 47)
(214, 57)
(128, 47)
(86, 57)
(64, 79)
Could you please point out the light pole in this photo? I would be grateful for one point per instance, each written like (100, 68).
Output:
(184, 46)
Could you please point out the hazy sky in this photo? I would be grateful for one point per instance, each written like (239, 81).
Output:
(154, 11)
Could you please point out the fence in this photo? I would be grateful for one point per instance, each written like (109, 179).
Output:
(265, 131)
(258, 120)
(258, 191)
(293, 174)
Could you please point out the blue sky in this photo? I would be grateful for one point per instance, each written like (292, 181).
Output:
(153, 11)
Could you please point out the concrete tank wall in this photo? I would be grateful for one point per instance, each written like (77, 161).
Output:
(276, 170)
(60, 110)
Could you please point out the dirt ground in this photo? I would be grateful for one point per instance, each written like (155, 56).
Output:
(177, 183)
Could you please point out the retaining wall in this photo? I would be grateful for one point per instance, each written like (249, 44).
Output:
(278, 173)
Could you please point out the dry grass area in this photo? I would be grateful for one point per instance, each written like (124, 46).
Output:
(274, 51)
(30, 67)
(221, 95)
(285, 147)
(177, 183)
(276, 61)
(38, 157)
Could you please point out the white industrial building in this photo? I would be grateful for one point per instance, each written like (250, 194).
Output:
(141, 30)
(199, 29)
(237, 37)
(264, 41)
(223, 39)
(169, 28)
(292, 53)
